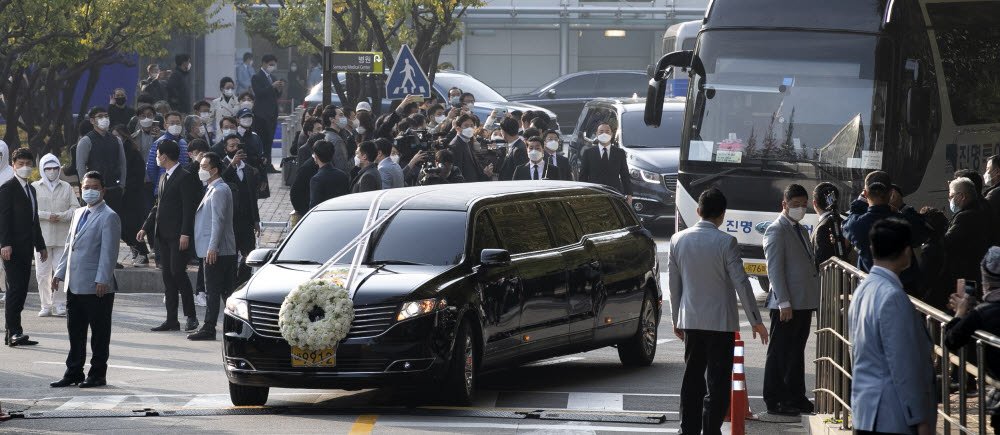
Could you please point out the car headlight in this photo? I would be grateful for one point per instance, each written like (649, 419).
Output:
(639, 174)
(237, 308)
(419, 308)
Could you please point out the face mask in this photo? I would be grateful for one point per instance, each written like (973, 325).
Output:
(552, 145)
(341, 122)
(361, 130)
(202, 131)
(227, 92)
(120, 100)
(103, 123)
(439, 119)
(206, 116)
(51, 175)
(241, 130)
(246, 122)
(988, 179)
(454, 101)
(227, 132)
(145, 122)
(951, 204)
(294, 68)
(24, 172)
(467, 132)
(174, 130)
(357, 161)
(604, 138)
(796, 214)
(90, 196)
(271, 68)
(534, 155)
(470, 106)
(355, 123)
(246, 104)
(204, 175)
(498, 138)
(394, 158)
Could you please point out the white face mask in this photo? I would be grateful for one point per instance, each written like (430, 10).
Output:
(294, 68)
(357, 161)
(271, 68)
(202, 131)
(204, 175)
(988, 179)
(246, 122)
(206, 116)
(174, 130)
(103, 123)
(552, 145)
(145, 122)
(341, 122)
(439, 119)
(227, 132)
(227, 92)
(246, 104)
(394, 158)
(52, 175)
(535, 156)
(23, 172)
(355, 123)
(90, 196)
(604, 138)
(498, 137)
(796, 214)
(467, 132)
(240, 130)
(361, 130)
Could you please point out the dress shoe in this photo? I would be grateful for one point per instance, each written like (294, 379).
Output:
(65, 382)
(192, 325)
(167, 326)
(783, 410)
(94, 382)
(805, 407)
(204, 334)
(21, 340)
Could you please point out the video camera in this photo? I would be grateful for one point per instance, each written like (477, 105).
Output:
(414, 141)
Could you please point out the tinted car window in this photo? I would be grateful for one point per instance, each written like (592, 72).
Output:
(485, 237)
(303, 245)
(595, 213)
(621, 84)
(521, 227)
(559, 224)
(575, 87)
(623, 211)
(435, 237)
(635, 133)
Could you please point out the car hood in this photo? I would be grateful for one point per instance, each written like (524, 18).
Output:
(382, 285)
(659, 160)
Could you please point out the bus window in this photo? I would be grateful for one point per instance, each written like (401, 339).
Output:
(967, 38)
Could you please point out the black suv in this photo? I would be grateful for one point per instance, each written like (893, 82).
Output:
(566, 95)
(465, 278)
(652, 152)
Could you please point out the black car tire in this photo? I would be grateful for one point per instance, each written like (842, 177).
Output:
(640, 349)
(460, 383)
(245, 395)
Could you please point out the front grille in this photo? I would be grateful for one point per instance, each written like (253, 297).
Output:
(669, 181)
(284, 364)
(369, 320)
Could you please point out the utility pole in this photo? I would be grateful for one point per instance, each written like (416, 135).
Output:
(327, 49)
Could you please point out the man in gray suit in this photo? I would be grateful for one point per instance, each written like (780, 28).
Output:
(791, 268)
(893, 380)
(214, 241)
(705, 267)
(87, 270)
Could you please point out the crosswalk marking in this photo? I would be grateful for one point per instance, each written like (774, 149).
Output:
(575, 428)
(209, 401)
(91, 402)
(595, 402)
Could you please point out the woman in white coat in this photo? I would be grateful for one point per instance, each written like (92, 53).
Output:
(225, 105)
(56, 203)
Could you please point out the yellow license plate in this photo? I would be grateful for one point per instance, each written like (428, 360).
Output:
(308, 358)
(755, 268)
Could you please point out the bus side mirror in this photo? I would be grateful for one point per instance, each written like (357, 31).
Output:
(658, 74)
(917, 108)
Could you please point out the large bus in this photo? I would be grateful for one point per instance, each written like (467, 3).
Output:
(679, 37)
(809, 91)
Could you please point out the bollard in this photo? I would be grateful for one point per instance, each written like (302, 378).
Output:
(739, 402)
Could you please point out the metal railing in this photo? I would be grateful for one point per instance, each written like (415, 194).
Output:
(833, 356)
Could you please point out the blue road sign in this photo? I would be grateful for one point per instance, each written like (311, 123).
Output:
(406, 77)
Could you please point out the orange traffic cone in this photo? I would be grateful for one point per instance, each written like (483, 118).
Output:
(739, 403)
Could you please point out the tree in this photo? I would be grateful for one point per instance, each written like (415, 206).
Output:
(788, 146)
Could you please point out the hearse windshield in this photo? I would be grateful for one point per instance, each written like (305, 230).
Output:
(769, 98)
(426, 237)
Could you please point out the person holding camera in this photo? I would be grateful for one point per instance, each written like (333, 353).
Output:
(462, 148)
(368, 178)
(443, 172)
(246, 213)
(828, 238)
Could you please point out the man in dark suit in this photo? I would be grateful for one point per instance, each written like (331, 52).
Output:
(265, 107)
(517, 152)
(329, 182)
(368, 178)
(20, 236)
(605, 164)
(537, 167)
(246, 213)
(171, 221)
(177, 84)
(965, 242)
(552, 156)
(828, 237)
(465, 158)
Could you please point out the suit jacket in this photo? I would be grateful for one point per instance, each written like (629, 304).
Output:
(893, 383)
(91, 251)
(246, 214)
(19, 226)
(265, 104)
(562, 162)
(791, 266)
(213, 221)
(177, 91)
(172, 214)
(829, 225)
(704, 269)
(549, 172)
(967, 241)
(517, 155)
(613, 173)
(992, 196)
(329, 182)
(466, 160)
(368, 180)
(299, 194)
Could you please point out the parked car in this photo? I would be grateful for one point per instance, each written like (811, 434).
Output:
(487, 99)
(652, 152)
(464, 279)
(567, 95)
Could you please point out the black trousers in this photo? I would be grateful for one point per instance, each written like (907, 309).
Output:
(199, 287)
(220, 279)
(784, 370)
(708, 360)
(18, 271)
(113, 197)
(83, 312)
(174, 263)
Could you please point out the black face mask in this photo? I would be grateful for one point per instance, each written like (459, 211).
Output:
(120, 100)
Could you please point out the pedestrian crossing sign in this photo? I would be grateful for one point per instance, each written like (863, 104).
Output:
(406, 77)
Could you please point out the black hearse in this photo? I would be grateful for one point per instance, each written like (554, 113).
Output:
(463, 279)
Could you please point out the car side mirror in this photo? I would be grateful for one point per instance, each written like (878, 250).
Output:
(551, 93)
(260, 257)
(494, 257)
(917, 108)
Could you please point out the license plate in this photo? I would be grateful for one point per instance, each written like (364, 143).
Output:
(309, 358)
(755, 268)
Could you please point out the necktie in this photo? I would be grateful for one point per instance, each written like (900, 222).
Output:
(27, 192)
(534, 172)
(604, 154)
(83, 220)
(798, 232)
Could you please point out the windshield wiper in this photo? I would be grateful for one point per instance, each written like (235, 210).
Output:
(396, 262)
(297, 262)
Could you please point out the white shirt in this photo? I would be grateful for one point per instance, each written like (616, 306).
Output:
(553, 157)
(605, 149)
(239, 169)
(539, 166)
(171, 171)
(24, 184)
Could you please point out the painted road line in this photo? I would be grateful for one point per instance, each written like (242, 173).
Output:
(547, 362)
(540, 427)
(665, 340)
(595, 402)
(91, 402)
(363, 425)
(148, 369)
(663, 246)
(209, 401)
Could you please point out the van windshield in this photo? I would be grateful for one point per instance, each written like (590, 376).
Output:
(427, 237)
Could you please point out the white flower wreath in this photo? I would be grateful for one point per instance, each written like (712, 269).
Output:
(332, 311)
